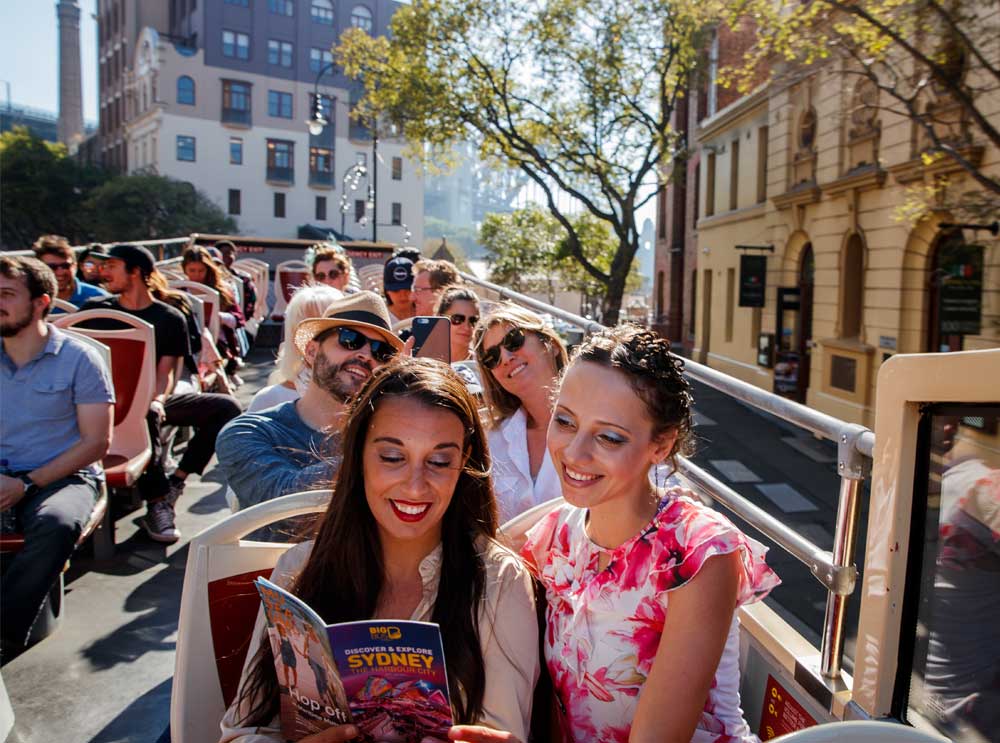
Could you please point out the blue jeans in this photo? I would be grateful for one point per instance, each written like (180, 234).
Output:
(51, 521)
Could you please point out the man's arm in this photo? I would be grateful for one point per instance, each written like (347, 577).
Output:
(257, 471)
(164, 378)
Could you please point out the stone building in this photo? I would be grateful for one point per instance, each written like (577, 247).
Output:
(807, 279)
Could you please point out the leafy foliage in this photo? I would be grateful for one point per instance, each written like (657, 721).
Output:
(576, 95)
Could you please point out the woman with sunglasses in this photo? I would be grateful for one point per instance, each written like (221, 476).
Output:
(520, 358)
(410, 533)
(461, 306)
(642, 583)
(330, 267)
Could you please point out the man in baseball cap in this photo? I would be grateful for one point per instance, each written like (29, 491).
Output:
(273, 452)
(397, 279)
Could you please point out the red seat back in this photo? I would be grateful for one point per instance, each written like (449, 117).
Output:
(232, 607)
(126, 368)
(290, 281)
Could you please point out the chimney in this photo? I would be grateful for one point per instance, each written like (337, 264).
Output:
(70, 82)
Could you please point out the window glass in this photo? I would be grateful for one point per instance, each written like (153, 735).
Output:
(322, 12)
(235, 151)
(185, 148)
(279, 205)
(321, 208)
(319, 58)
(397, 213)
(242, 3)
(955, 680)
(235, 45)
(234, 201)
(281, 7)
(279, 104)
(320, 160)
(397, 168)
(279, 52)
(185, 90)
(361, 18)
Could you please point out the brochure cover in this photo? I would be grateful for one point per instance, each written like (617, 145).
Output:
(387, 677)
(394, 676)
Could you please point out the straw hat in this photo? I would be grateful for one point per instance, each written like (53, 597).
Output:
(359, 310)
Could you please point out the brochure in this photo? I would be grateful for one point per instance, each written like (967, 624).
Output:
(387, 677)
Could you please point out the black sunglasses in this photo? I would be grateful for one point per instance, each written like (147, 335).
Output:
(54, 266)
(322, 275)
(352, 340)
(513, 341)
(458, 319)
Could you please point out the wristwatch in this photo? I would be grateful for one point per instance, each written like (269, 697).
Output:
(30, 488)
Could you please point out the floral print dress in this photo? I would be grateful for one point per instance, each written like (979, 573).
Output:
(604, 626)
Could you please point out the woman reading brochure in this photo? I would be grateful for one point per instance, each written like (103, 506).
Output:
(410, 534)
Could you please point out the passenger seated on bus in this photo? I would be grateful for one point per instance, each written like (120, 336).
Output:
(397, 279)
(413, 440)
(127, 273)
(962, 673)
(229, 252)
(89, 264)
(55, 252)
(642, 583)
(461, 305)
(295, 446)
(56, 399)
(330, 267)
(291, 374)
(520, 359)
(430, 279)
(199, 267)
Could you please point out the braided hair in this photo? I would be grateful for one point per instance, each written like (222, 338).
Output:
(654, 373)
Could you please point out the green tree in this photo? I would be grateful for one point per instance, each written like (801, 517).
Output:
(142, 207)
(935, 62)
(42, 190)
(577, 96)
(528, 251)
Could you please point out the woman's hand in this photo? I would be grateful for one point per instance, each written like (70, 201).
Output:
(480, 734)
(336, 734)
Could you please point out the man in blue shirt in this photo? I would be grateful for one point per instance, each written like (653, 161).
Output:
(56, 399)
(55, 252)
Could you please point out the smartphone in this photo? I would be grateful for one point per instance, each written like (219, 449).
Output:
(433, 338)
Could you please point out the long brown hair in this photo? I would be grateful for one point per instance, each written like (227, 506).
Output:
(500, 403)
(213, 273)
(345, 573)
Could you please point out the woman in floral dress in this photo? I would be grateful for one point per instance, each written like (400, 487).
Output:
(642, 583)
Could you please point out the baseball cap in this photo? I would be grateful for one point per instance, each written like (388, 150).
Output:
(398, 274)
(134, 256)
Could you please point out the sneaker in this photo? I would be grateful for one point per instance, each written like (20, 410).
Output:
(159, 522)
(176, 491)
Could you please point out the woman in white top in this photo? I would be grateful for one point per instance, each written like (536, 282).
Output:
(521, 359)
(411, 533)
(291, 376)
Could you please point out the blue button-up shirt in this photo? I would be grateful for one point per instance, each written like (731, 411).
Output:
(82, 291)
(38, 400)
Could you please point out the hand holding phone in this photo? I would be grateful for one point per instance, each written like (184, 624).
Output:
(432, 338)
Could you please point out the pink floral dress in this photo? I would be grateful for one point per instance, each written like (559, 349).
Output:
(604, 627)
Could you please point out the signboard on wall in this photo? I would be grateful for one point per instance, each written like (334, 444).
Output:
(960, 277)
(781, 714)
(753, 280)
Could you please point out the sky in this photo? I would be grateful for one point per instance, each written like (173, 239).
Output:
(29, 55)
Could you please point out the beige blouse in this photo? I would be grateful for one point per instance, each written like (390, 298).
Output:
(508, 631)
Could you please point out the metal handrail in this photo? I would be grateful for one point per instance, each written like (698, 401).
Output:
(834, 570)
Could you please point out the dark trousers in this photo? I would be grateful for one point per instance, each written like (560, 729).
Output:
(51, 521)
(206, 414)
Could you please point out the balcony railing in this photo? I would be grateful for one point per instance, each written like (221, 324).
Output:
(320, 178)
(236, 116)
(282, 175)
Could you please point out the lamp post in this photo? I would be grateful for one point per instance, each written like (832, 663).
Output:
(355, 172)
(316, 123)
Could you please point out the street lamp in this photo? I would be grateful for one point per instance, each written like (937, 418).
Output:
(352, 175)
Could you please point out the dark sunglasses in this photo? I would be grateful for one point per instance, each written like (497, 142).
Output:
(352, 340)
(458, 319)
(56, 266)
(513, 341)
(322, 275)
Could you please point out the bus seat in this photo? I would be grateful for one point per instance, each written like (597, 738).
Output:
(133, 371)
(260, 273)
(860, 731)
(59, 306)
(370, 278)
(218, 609)
(288, 276)
(210, 299)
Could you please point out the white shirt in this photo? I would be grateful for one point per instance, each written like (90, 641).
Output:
(268, 397)
(515, 489)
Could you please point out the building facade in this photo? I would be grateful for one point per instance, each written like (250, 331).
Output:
(807, 277)
(222, 98)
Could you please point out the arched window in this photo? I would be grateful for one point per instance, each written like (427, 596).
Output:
(361, 18)
(185, 90)
(852, 281)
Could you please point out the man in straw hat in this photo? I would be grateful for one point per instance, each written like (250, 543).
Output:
(274, 452)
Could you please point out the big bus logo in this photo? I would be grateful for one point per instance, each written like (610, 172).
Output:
(385, 633)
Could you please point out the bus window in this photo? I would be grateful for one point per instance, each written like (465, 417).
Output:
(954, 685)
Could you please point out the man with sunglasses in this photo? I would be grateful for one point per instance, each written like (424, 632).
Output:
(290, 447)
(55, 252)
